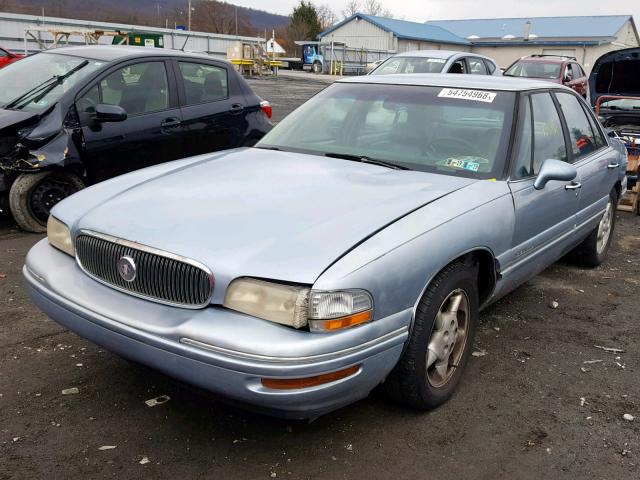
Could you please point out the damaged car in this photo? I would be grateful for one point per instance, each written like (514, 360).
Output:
(614, 84)
(74, 116)
(354, 245)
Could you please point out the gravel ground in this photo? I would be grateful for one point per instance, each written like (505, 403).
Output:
(529, 408)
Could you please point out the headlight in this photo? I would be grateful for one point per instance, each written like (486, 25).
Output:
(59, 235)
(299, 306)
(271, 301)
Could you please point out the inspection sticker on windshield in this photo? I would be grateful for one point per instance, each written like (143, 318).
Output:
(463, 164)
(477, 95)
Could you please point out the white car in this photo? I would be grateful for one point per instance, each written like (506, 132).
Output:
(437, 61)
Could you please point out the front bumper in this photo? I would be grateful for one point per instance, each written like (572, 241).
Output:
(216, 349)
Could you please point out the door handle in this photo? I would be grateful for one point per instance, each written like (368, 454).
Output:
(171, 122)
(236, 108)
(611, 166)
(573, 186)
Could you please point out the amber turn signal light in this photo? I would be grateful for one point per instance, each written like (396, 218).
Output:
(297, 383)
(343, 322)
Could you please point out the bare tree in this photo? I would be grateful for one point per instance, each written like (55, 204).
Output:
(326, 16)
(219, 17)
(351, 8)
(374, 7)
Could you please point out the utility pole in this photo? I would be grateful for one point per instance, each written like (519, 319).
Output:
(236, 20)
(189, 24)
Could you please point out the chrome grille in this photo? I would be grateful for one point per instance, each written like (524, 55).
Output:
(160, 276)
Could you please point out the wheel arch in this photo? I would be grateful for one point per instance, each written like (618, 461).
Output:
(488, 274)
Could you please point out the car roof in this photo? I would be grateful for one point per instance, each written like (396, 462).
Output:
(109, 53)
(547, 59)
(482, 82)
(444, 54)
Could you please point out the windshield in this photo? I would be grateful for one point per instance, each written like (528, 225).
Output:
(410, 65)
(622, 104)
(433, 129)
(20, 78)
(534, 70)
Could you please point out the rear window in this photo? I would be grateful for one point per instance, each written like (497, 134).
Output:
(534, 70)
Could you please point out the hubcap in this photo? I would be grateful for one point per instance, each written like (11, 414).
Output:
(448, 338)
(604, 228)
(46, 194)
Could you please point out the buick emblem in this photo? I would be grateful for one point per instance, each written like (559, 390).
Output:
(127, 268)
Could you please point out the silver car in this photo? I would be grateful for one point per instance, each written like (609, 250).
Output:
(437, 61)
(354, 245)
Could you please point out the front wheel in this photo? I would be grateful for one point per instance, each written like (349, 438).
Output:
(441, 340)
(593, 250)
(33, 195)
(317, 67)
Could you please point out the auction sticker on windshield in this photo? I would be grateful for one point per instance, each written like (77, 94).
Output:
(462, 163)
(463, 94)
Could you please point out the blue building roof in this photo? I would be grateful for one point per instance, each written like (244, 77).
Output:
(406, 30)
(602, 27)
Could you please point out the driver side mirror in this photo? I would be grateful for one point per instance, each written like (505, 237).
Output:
(554, 170)
(110, 113)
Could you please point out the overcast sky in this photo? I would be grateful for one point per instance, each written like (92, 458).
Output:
(421, 10)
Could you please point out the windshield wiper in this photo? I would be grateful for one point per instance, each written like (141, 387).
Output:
(40, 91)
(365, 159)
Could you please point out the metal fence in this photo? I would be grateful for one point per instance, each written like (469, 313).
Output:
(13, 27)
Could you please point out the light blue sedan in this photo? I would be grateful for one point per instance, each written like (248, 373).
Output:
(354, 245)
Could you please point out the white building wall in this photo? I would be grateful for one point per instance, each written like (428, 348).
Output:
(12, 28)
(410, 45)
(359, 33)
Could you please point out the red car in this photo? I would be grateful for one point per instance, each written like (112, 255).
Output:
(563, 70)
(6, 57)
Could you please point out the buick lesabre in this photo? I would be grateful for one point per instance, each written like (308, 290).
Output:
(354, 245)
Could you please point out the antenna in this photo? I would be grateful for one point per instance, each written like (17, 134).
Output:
(185, 42)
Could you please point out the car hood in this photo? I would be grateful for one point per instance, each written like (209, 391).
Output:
(261, 213)
(616, 73)
(13, 119)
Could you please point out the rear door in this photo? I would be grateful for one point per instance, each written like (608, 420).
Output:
(212, 106)
(590, 153)
(151, 132)
(545, 218)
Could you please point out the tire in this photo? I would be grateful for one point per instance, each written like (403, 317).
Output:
(412, 382)
(32, 196)
(317, 67)
(592, 252)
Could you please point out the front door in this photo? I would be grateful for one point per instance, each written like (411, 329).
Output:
(151, 134)
(544, 219)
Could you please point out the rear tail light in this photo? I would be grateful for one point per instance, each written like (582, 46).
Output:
(266, 108)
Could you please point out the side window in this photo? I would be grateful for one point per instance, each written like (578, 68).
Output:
(87, 103)
(491, 67)
(577, 70)
(138, 88)
(476, 66)
(580, 132)
(597, 132)
(568, 73)
(458, 67)
(524, 158)
(203, 83)
(548, 137)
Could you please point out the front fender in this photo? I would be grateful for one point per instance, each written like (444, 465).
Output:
(397, 264)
